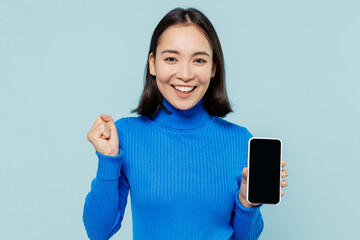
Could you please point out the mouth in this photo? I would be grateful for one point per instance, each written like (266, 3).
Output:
(184, 89)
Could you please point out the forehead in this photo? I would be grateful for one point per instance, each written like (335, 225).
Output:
(184, 38)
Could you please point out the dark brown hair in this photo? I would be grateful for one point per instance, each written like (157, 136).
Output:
(216, 101)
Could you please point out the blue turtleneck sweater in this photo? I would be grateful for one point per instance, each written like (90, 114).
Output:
(183, 171)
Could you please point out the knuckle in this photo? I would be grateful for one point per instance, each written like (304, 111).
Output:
(89, 135)
(92, 138)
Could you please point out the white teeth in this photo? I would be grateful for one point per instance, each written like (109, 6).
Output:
(184, 89)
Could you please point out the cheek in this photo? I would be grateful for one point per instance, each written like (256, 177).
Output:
(163, 79)
(204, 77)
(163, 74)
(161, 86)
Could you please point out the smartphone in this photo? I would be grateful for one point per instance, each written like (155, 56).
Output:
(264, 175)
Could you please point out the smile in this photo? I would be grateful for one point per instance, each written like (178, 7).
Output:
(183, 89)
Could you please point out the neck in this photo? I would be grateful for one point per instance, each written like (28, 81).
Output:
(183, 119)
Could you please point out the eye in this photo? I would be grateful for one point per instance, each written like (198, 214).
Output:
(170, 59)
(199, 60)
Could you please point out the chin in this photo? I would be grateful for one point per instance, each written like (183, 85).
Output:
(182, 105)
(184, 108)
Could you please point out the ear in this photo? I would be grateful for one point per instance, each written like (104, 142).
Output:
(152, 69)
(213, 70)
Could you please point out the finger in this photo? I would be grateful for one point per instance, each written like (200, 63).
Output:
(99, 130)
(283, 163)
(244, 174)
(284, 183)
(99, 120)
(106, 118)
(107, 126)
(102, 130)
(106, 134)
(282, 193)
(284, 173)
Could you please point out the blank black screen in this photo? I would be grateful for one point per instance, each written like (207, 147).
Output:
(264, 171)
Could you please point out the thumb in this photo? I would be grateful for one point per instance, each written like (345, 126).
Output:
(108, 119)
(244, 175)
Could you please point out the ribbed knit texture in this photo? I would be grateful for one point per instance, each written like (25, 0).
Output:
(183, 171)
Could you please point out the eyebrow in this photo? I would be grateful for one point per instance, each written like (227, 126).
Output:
(176, 52)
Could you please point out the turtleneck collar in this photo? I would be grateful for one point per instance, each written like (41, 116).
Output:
(183, 119)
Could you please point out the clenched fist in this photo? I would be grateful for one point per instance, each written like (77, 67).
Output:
(103, 136)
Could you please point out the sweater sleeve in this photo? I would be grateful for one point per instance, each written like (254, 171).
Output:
(247, 222)
(105, 204)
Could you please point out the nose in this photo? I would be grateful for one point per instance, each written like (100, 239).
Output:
(185, 72)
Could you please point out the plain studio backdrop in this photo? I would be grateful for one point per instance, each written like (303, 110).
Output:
(292, 68)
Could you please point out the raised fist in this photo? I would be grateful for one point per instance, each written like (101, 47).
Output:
(103, 136)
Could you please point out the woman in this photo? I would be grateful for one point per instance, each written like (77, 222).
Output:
(180, 159)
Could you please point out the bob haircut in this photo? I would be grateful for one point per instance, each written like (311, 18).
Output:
(216, 101)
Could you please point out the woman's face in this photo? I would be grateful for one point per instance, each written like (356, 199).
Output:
(183, 65)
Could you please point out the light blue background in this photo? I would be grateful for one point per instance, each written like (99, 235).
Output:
(293, 71)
